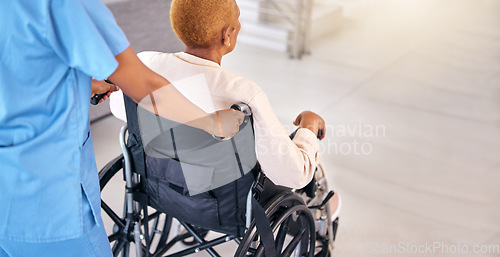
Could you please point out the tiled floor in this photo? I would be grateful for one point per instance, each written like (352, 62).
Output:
(411, 94)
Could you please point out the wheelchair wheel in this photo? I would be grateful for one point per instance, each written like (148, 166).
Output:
(122, 233)
(324, 243)
(292, 225)
(326, 229)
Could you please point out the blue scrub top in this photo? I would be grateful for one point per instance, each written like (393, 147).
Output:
(49, 52)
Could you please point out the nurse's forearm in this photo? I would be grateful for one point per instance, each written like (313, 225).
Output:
(138, 81)
(169, 103)
(157, 95)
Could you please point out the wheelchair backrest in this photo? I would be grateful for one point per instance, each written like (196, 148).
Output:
(197, 161)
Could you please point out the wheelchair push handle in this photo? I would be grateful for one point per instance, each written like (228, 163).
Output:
(244, 108)
(94, 100)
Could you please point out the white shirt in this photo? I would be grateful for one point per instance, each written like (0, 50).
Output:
(286, 162)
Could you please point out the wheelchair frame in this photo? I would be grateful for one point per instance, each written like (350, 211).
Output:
(287, 214)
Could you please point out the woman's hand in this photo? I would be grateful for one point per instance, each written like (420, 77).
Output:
(226, 123)
(311, 121)
(101, 87)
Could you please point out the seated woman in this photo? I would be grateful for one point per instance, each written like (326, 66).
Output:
(209, 29)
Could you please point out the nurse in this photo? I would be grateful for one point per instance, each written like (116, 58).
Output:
(49, 190)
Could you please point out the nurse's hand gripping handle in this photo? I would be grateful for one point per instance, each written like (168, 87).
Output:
(242, 108)
(94, 100)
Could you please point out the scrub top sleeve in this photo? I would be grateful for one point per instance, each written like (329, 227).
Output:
(84, 34)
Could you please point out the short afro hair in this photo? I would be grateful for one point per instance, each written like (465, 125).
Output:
(198, 23)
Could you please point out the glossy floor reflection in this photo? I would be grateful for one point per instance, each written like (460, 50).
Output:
(411, 94)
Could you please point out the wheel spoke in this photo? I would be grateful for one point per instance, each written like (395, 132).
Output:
(112, 215)
(304, 246)
(166, 230)
(152, 216)
(293, 244)
(154, 228)
(126, 249)
(115, 236)
(118, 247)
(280, 238)
(260, 251)
(252, 250)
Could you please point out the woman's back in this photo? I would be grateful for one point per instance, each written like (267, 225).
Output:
(209, 86)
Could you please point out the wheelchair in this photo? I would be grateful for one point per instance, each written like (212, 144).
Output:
(262, 218)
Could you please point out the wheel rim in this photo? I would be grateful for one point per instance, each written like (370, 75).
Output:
(121, 234)
(289, 213)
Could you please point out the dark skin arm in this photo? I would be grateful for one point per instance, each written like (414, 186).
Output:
(138, 82)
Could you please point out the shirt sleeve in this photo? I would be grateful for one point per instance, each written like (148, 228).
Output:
(84, 34)
(286, 162)
(146, 57)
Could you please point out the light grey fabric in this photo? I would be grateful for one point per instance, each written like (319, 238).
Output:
(147, 25)
(206, 163)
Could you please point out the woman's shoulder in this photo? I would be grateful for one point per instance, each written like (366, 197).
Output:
(236, 79)
(151, 56)
(241, 84)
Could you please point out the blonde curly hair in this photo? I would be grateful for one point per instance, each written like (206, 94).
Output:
(198, 23)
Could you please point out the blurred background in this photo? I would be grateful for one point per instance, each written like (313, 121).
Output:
(409, 89)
